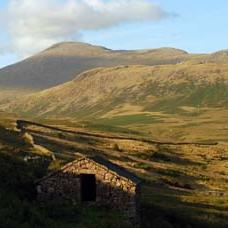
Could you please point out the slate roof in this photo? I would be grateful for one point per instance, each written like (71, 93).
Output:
(115, 168)
(120, 171)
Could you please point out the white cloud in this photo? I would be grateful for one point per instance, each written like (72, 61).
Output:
(36, 24)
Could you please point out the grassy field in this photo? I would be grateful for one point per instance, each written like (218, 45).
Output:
(184, 185)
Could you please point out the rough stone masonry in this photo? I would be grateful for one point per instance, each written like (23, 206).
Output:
(93, 180)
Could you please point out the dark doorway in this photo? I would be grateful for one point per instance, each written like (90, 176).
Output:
(88, 187)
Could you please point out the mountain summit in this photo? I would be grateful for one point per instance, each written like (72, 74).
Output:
(61, 62)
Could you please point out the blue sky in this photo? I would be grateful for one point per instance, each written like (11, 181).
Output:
(195, 26)
(200, 26)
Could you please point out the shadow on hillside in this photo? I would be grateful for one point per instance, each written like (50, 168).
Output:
(88, 140)
(14, 138)
(167, 154)
(162, 207)
(58, 146)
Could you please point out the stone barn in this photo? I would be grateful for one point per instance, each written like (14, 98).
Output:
(93, 180)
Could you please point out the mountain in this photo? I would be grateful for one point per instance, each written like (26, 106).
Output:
(144, 88)
(61, 62)
(219, 57)
(181, 90)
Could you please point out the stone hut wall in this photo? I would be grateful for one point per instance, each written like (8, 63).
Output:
(111, 189)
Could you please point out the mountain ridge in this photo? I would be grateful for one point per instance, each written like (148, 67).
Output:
(61, 62)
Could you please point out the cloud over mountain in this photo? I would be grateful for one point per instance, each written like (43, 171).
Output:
(34, 25)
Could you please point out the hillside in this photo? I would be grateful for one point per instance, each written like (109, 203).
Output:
(220, 56)
(159, 88)
(61, 62)
(64, 61)
(184, 185)
(181, 96)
